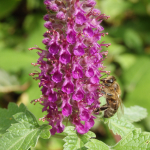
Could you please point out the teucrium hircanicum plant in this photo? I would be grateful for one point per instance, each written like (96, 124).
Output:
(70, 69)
(71, 64)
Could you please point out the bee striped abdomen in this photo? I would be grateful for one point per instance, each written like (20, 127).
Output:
(109, 112)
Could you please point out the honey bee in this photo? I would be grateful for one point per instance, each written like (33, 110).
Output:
(112, 93)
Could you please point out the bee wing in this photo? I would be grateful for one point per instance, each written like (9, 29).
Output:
(120, 110)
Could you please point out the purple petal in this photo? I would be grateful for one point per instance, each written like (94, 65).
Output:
(85, 115)
(90, 123)
(68, 88)
(81, 129)
(52, 96)
(94, 80)
(78, 95)
(60, 15)
(53, 7)
(54, 48)
(88, 31)
(67, 110)
(71, 37)
(90, 3)
(60, 128)
(77, 73)
(53, 130)
(79, 51)
(80, 18)
(89, 72)
(45, 41)
(90, 98)
(57, 77)
(48, 24)
(65, 57)
(46, 17)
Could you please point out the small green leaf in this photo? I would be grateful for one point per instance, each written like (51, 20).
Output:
(26, 117)
(94, 144)
(120, 127)
(25, 133)
(134, 140)
(135, 113)
(76, 141)
(6, 116)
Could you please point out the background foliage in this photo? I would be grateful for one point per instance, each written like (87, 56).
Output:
(21, 27)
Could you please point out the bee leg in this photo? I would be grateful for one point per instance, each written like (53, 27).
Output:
(103, 92)
(104, 107)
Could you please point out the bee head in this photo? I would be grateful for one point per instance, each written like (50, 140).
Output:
(111, 79)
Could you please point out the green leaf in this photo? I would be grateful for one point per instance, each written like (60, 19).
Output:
(25, 133)
(6, 116)
(124, 126)
(134, 140)
(94, 144)
(75, 141)
(135, 113)
(120, 127)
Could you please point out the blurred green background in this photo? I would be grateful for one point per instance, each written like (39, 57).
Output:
(21, 27)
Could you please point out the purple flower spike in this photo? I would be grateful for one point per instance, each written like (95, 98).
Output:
(71, 63)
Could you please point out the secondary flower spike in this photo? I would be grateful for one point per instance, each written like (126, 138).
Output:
(71, 64)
